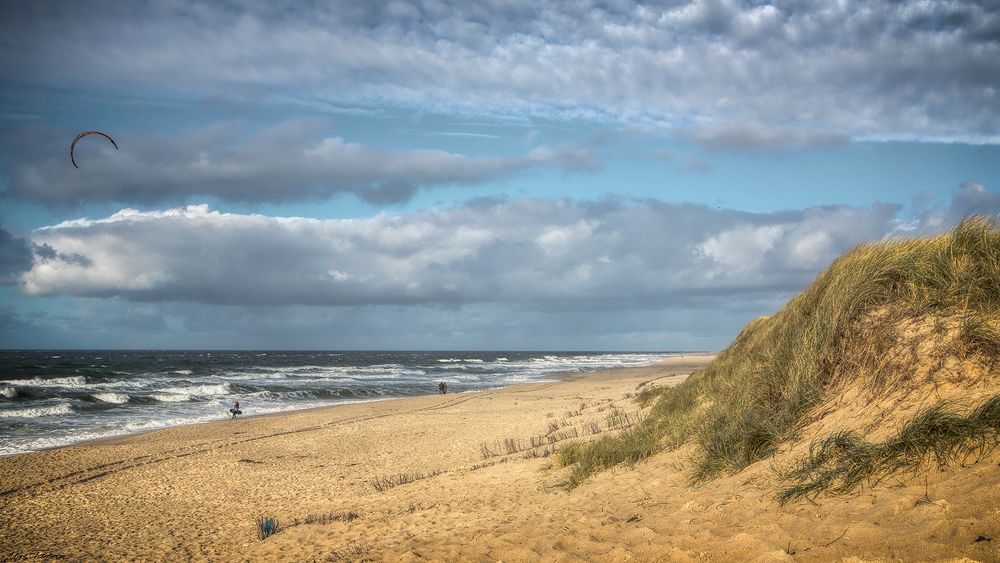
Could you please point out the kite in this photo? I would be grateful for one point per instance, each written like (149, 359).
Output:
(82, 135)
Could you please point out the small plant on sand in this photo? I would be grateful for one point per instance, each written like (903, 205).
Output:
(842, 462)
(326, 518)
(266, 526)
(350, 551)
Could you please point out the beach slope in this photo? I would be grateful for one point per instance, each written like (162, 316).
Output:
(464, 477)
(194, 491)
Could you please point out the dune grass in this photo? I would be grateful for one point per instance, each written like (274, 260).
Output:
(756, 393)
(632, 445)
(842, 462)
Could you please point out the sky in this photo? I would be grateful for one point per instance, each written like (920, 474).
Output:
(499, 175)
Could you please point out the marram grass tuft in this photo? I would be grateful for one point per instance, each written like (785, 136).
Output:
(757, 392)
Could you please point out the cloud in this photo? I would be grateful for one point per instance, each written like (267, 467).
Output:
(11, 320)
(971, 198)
(539, 254)
(883, 70)
(289, 161)
(15, 257)
(488, 274)
(758, 139)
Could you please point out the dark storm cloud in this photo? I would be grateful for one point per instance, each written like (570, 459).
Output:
(902, 70)
(11, 320)
(287, 162)
(15, 257)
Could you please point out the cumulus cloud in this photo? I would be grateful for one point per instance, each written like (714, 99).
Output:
(540, 254)
(15, 257)
(289, 161)
(901, 70)
(970, 198)
(609, 274)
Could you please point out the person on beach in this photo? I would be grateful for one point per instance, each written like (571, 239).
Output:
(236, 408)
(443, 388)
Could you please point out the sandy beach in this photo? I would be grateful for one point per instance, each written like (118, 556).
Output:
(478, 491)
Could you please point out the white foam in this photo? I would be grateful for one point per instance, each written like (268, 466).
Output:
(182, 371)
(75, 381)
(8, 392)
(35, 412)
(117, 398)
(198, 390)
(171, 397)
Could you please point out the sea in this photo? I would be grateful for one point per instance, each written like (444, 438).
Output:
(56, 398)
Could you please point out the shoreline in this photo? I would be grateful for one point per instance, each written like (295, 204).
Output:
(463, 477)
(118, 438)
(169, 493)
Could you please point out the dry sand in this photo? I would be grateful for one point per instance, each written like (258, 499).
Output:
(193, 492)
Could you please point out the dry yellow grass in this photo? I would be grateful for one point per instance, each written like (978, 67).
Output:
(849, 327)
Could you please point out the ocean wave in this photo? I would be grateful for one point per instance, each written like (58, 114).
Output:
(198, 390)
(268, 372)
(303, 394)
(74, 381)
(180, 397)
(171, 397)
(35, 412)
(117, 398)
(385, 370)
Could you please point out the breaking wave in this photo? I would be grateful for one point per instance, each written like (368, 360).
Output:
(116, 398)
(75, 381)
(35, 412)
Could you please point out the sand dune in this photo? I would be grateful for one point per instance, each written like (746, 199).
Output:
(193, 492)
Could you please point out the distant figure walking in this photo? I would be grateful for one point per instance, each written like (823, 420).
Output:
(443, 388)
(236, 409)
